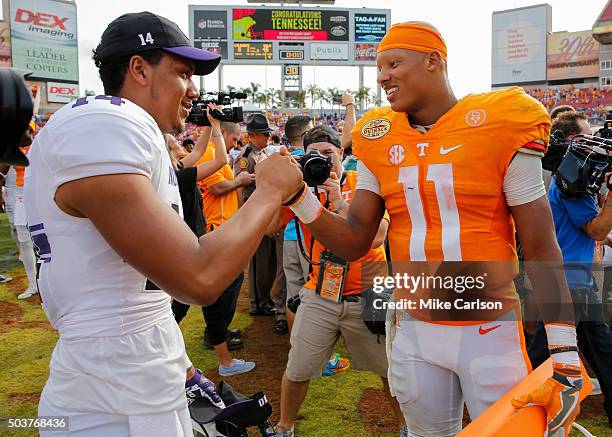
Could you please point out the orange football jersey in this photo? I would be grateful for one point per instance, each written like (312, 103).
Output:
(20, 171)
(443, 189)
(360, 273)
(217, 209)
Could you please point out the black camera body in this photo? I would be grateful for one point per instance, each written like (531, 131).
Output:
(232, 114)
(315, 167)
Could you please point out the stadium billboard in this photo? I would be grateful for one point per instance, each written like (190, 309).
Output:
(5, 45)
(44, 39)
(290, 24)
(280, 35)
(61, 92)
(519, 45)
(572, 55)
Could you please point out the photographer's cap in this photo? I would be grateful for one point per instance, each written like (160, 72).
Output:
(133, 33)
(257, 123)
(322, 134)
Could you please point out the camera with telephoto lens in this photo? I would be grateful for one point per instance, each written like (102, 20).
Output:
(232, 114)
(315, 167)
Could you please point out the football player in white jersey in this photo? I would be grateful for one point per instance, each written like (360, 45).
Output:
(104, 212)
(15, 209)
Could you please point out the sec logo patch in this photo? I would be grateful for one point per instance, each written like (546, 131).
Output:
(376, 128)
(396, 154)
(475, 117)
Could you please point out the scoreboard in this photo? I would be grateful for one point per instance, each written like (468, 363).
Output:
(289, 35)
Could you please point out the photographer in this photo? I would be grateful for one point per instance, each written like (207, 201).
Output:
(326, 312)
(578, 224)
(15, 209)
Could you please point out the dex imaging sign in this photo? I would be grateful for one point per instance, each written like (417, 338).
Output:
(61, 92)
(44, 39)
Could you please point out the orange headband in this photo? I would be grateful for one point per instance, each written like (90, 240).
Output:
(413, 36)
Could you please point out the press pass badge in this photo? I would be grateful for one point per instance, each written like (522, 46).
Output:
(332, 275)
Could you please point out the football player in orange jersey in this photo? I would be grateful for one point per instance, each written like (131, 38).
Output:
(457, 177)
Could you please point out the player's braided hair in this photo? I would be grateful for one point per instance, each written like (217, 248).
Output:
(112, 72)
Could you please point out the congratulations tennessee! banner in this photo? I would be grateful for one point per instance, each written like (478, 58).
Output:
(288, 25)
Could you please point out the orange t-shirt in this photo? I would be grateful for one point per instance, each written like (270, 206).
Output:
(217, 209)
(20, 171)
(443, 189)
(360, 272)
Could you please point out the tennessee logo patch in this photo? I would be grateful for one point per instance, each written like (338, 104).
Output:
(475, 117)
(376, 128)
(243, 164)
(396, 154)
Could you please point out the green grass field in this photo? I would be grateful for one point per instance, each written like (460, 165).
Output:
(26, 341)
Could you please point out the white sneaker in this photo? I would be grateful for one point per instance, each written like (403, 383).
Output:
(5, 279)
(31, 291)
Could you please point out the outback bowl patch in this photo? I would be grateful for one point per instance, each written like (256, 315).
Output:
(376, 128)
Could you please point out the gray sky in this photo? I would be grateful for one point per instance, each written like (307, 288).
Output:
(465, 25)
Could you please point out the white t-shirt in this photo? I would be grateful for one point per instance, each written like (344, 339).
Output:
(94, 298)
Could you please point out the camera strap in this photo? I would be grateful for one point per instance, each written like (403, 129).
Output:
(333, 269)
(298, 233)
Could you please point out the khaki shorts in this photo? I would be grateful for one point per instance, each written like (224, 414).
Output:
(318, 325)
(295, 266)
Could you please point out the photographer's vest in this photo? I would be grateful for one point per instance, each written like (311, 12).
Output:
(360, 273)
(443, 189)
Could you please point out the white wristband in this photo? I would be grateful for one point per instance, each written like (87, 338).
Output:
(562, 335)
(308, 209)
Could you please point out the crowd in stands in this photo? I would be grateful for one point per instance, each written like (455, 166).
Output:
(591, 101)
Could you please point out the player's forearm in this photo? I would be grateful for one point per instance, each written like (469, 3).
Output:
(544, 267)
(341, 235)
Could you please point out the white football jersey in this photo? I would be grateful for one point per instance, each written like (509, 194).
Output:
(87, 289)
(11, 178)
(120, 350)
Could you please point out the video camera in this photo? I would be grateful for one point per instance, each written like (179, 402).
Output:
(16, 109)
(232, 114)
(584, 164)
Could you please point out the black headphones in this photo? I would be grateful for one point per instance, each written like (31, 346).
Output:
(16, 109)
